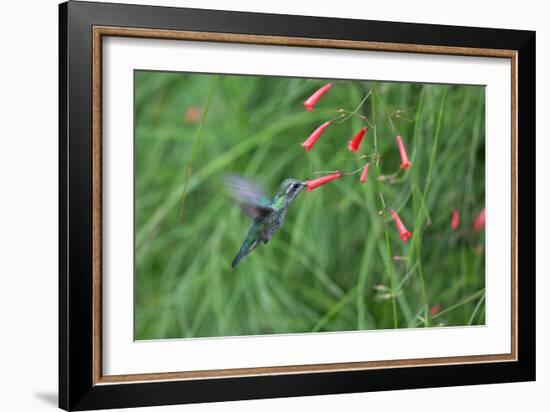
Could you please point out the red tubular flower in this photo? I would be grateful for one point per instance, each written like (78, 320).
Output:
(455, 219)
(353, 144)
(310, 141)
(479, 222)
(405, 164)
(404, 234)
(314, 98)
(364, 174)
(312, 184)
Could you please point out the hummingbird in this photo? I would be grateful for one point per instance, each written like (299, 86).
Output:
(268, 214)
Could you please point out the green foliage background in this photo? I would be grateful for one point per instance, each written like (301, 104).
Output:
(336, 264)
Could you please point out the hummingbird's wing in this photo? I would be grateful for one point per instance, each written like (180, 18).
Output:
(250, 196)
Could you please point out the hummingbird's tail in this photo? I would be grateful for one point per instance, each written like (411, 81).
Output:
(245, 249)
(237, 259)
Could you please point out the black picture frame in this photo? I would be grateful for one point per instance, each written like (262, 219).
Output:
(77, 390)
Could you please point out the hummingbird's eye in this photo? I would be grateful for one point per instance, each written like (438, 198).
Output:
(293, 188)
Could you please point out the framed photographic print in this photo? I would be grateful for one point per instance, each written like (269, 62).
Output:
(257, 205)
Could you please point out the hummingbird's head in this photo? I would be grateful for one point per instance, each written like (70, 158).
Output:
(289, 189)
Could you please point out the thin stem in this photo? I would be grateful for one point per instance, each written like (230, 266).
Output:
(382, 201)
(436, 139)
(399, 111)
(422, 201)
(391, 124)
(459, 304)
(390, 177)
(339, 118)
(422, 286)
(357, 171)
(363, 156)
(362, 101)
(351, 114)
(389, 261)
(328, 172)
(361, 104)
(476, 309)
(404, 118)
(392, 281)
(417, 128)
(384, 109)
(455, 306)
(194, 147)
(398, 114)
(375, 137)
(356, 112)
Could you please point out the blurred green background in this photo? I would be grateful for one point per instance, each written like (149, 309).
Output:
(337, 263)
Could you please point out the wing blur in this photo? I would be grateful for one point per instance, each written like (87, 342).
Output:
(250, 196)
